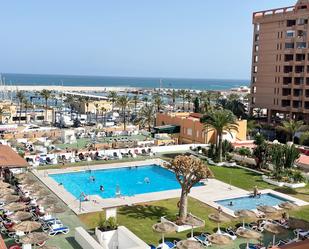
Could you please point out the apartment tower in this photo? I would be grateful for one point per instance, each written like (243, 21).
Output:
(280, 62)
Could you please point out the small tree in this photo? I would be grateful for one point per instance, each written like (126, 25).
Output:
(189, 171)
(261, 151)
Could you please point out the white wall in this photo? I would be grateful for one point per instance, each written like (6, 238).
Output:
(85, 240)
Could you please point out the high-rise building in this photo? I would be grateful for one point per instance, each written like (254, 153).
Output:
(280, 62)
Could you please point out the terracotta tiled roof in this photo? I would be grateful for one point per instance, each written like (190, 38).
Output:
(9, 158)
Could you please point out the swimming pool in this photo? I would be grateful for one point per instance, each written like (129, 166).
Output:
(251, 203)
(129, 180)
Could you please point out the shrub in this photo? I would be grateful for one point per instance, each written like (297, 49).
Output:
(244, 151)
(297, 176)
(107, 225)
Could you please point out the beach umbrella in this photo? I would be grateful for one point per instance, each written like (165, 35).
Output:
(163, 228)
(6, 191)
(4, 185)
(15, 206)
(287, 205)
(219, 239)
(49, 247)
(55, 209)
(28, 181)
(248, 233)
(34, 238)
(38, 142)
(47, 201)
(274, 229)
(41, 193)
(295, 223)
(35, 187)
(267, 209)
(193, 222)
(10, 198)
(245, 214)
(21, 216)
(27, 226)
(189, 244)
(218, 218)
(21, 176)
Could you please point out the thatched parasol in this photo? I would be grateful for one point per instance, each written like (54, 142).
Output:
(55, 209)
(21, 215)
(39, 143)
(34, 187)
(274, 229)
(287, 205)
(9, 198)
(34, 238)
(163, 228)
(218, 218)
(28, 181)
(6, 191)
(245, 214)
(15, 206)
(189, 244)
(4, 185)
(47, 201)
(193, 222)
(219, 239)
(21, 176)
(57, 141)
(295, 223)
(267, 209)
(41, 193)
(49, 247)
(27, 226)
(248, 233)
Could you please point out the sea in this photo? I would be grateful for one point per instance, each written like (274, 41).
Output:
(111, 81)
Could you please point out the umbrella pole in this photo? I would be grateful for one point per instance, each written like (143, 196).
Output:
(274, 239)
(218, 231)
(247, 245)
(243, 223)
(192, 233)
(163, 240)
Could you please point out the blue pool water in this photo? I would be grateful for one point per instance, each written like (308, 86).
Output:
(130, 181)
(251, 203)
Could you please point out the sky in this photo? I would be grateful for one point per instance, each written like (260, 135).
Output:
(146, 38)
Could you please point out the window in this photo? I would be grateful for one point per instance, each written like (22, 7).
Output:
(299, 69)
(300, 57)
(254, 89)
(285, 103)
(286, 91)
(256, 58)
(253, 79)
(301, 45)
(298, 81)
(256, 48)
(288, 57)
(302, 21)
(297, 92)
(290, 33)
(257, 37)
(189, 132)
(289, 45)
(287, 80)
(296, 104)
(288, 69)
(255, 69)
(301, 33)
(290, 23)
(253, 100)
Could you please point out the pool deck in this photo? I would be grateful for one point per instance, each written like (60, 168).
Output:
(212, 191)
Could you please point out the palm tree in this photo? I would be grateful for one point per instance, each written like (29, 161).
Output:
(1, 114)
(220, 121)
(182, 93)
(46, 94)
(27, 105)
(21, 97)
(205, 98)
(146, 116)
(135, 100)
(123, 102)
(174, 97)
(145, 99)
(158, 102)
(290, 127)
(189, 99)
(113, 98)
(103, 110)
(70, 101)
(96, 112)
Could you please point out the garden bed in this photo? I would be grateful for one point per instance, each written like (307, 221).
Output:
(179, 228)
(283, 184)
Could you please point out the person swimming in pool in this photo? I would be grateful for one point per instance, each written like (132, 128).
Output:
(101, 188)
(146, 180)
(231, 203)
(92, 178)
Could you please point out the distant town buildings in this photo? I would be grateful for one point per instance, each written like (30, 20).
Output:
(280, 64)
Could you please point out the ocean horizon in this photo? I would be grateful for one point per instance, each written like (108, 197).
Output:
(114, 81)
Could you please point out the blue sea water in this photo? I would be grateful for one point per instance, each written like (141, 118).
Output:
(130, 180)
(251, 203)
(104, 81)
